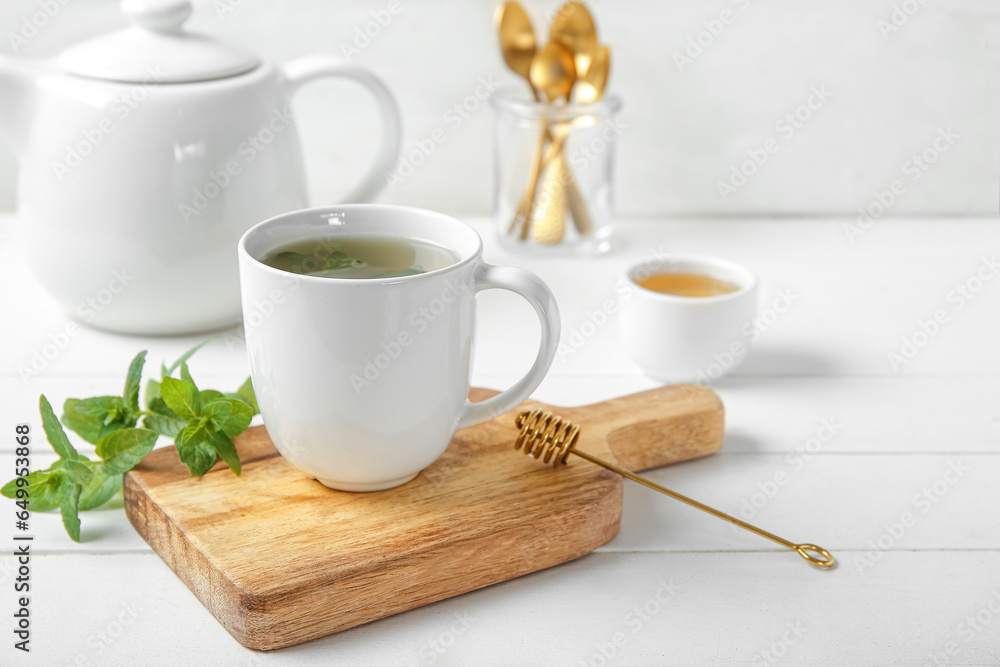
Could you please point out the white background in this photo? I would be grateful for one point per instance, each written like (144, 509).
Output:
(891, 92)
(898, 596)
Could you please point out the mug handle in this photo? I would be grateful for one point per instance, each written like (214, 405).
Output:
(304, 70)
(531, 287)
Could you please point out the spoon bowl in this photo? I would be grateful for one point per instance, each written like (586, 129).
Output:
(553, 71)
(590, 87)
(573, 27)
(518, 43)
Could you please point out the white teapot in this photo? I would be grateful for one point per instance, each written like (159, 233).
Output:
(144, 156)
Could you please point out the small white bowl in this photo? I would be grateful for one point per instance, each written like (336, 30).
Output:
(689, 339)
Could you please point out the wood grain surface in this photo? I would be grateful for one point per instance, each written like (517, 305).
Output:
(279, 559)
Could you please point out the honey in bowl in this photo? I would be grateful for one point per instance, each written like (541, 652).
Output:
(687, 284)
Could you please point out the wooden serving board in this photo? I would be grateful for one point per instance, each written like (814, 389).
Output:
(280, 559)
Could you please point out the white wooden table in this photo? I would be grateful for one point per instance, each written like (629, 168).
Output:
(862, 448)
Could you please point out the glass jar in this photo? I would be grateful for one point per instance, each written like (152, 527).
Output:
(553, 175)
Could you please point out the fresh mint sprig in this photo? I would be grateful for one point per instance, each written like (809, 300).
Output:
(201, 422)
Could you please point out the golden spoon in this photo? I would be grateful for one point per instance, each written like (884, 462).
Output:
(591, 83)
(517, 40)
(518, 45)
(553, 71)
(589, 88)
(573, 28)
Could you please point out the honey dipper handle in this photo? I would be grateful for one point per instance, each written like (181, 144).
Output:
(658, 427)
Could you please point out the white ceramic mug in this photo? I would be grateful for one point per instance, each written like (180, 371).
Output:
(363, 382)
(684, 338)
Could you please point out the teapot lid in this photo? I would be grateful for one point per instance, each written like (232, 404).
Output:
(156, 47)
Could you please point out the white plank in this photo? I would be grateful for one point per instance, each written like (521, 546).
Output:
(839, 501)
(838, 326)
(878, 415)
(722, 609)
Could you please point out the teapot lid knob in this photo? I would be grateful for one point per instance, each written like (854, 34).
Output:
(158, 15)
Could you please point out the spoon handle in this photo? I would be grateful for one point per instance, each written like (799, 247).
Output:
(524, 209)
(550, 216)
(573, 198)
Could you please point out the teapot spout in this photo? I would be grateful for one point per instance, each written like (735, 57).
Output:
(17, 98)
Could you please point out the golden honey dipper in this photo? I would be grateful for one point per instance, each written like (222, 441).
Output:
(547, 437)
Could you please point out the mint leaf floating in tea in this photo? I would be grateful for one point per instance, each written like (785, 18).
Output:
(294, 262)
(202, 423)
(339, 260)
(360, 257)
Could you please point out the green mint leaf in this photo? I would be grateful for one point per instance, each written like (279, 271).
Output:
(185, 373)
(77, 471)
(339, 260)
(132, 381)
(217, 411)
(100, 489)
(181, 397)
(229, 415)
(192, 448)
(43, 490)
(207, 396)
(225, 448)
(154, 400)
(69, 505)
(164, 425)
(165, 372)
(152, 393)
(122, 450)
(294, 262)
(94, 418)
(248, 396)
(54, 431)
